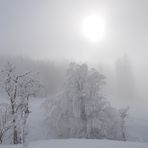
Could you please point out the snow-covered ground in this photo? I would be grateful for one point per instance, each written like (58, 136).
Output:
(81, 143)
(137, 128)
(36, 121)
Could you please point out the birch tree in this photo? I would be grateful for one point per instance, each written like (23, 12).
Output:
(19, 88)
(81, 110)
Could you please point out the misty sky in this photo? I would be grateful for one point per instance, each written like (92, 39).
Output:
(51, 29)
(47, 29)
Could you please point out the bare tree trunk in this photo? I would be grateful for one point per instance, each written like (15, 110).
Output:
(123, 131)
(15, 134)
(83, 116)
(15, 138)
(1, 137)
(25, 117)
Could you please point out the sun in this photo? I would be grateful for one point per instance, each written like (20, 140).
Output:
(93, 27)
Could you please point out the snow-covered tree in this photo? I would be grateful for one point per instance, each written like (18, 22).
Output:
(5, 120)
(123, 116)
(81, 111)
(19, 88)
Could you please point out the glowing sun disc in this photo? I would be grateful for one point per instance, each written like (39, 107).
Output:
(93, 27)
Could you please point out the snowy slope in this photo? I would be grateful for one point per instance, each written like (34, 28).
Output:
(36, 124)
(71, 143)
(137, 128)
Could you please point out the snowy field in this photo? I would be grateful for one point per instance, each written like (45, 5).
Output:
(137, 131)
(71, 143)
(137, 127)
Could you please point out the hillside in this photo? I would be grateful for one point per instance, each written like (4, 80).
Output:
(71, 143)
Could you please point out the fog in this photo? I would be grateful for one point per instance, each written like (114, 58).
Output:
(51, 30)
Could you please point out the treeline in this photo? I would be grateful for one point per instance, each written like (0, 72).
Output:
(77, 108)
(82, 111)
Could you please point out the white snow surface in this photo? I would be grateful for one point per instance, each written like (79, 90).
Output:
(36, 121)
(80, 143)
(137, 128)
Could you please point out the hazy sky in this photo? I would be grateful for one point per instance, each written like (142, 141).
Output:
(52, 29)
